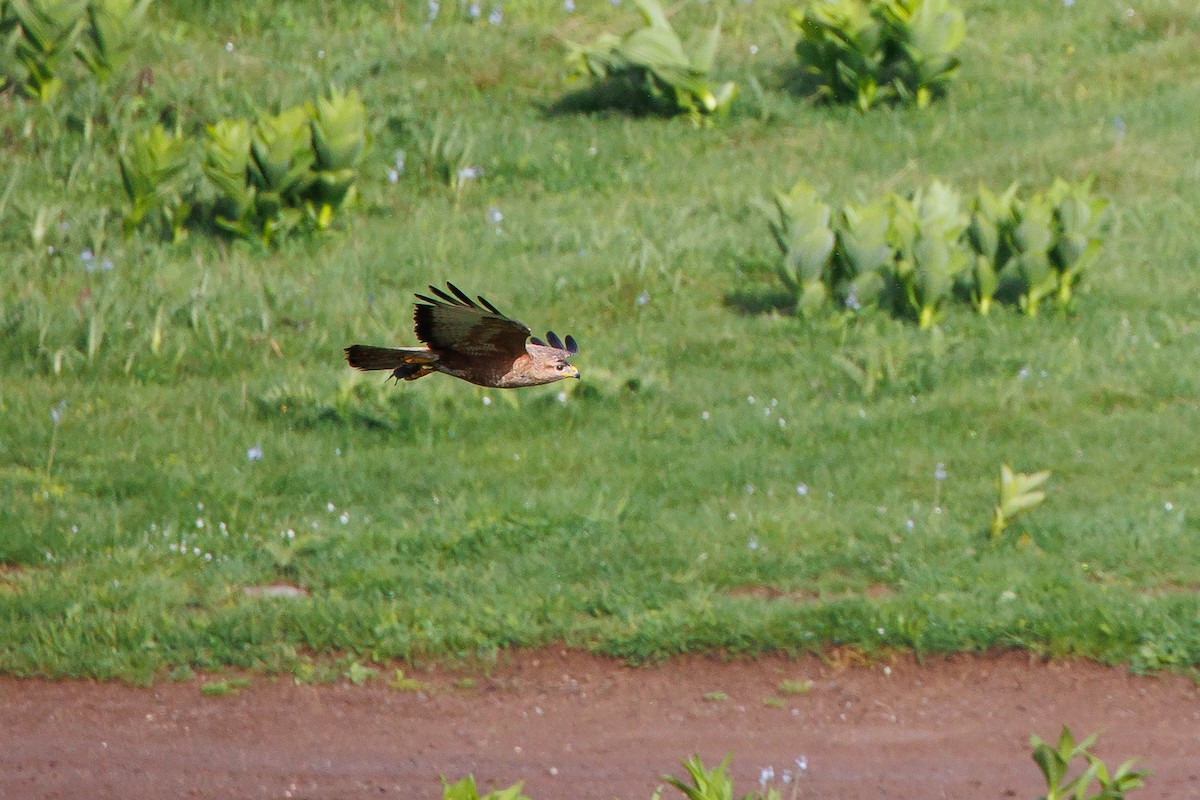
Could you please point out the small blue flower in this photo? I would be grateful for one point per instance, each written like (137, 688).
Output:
(939, 473)
(496, 16)
(255, 453)
(569, 6)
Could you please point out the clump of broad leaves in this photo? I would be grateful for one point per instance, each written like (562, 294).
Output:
(652, 71)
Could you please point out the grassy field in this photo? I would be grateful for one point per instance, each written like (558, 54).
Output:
(727, 476)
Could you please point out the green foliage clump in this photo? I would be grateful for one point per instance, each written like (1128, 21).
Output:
(868, 52)
(151, 165)
(1054, 762)
(282, 172)
(37, 35)
(651, 71)
(466, 789)
(911, 254)
(1019, 492)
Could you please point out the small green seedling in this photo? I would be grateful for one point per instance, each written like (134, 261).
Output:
(466, 789)
(1019, 492)
(1054, 762)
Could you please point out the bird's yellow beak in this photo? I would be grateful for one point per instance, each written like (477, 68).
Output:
(571, 371)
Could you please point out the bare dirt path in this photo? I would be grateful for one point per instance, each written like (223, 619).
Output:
(575, 726)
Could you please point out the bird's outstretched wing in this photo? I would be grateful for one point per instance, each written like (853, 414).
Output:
(462, 325)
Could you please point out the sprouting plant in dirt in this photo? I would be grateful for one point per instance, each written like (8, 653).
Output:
(714, 784)
(466, 789)
(1055, 762)
(1019, 492)
(654, 67)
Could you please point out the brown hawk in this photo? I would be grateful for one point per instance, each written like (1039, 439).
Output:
(473, 341)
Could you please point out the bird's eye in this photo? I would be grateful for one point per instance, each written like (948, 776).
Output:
(558, 367)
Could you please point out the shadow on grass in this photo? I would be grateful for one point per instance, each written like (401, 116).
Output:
(761, 300)
(615, 94)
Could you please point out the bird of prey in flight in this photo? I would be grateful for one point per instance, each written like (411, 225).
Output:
(471, 340)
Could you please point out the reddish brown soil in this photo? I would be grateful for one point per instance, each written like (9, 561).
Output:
(575, 726)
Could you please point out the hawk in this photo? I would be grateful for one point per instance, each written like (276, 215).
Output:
(473, 341)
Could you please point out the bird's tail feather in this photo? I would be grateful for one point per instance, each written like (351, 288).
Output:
(408, 363)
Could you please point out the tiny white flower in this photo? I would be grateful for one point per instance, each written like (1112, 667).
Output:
(330, 507)
(255, 453)
(782, 422)
(497, 15)
(569, 6)
(766, 776)
(643, 298)
(750, 399)
(229, 47)
(749, 488)
(291, 534)
(393, 175)
(320, 54)
(199, 522)
(562, 397)
(880, 631)
(753, 49)
(939, 472)
(753, 543)
(908, 523)
(704, 415)
(495, 216)
(802, 763)
(1169, 506)
(487, 401)
(802, 490)
(732, 516)
(345, 517)
(196, 551)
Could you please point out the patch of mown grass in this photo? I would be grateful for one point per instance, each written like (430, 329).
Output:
(629, 515)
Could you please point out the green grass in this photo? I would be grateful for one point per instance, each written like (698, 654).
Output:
(656, 510)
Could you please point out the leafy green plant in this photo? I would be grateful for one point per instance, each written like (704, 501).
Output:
(37, 35)
(912, 254)
(656, 71)
(466, 789)
(990, 232)
(871, 51)
(863, 254)
(925, 234)
(151, 164)
(44, 32)
(339, 141)
(282, 171)
(1078, 225)
(1055, 762)
(714, 784)
(1018, 492)
(800, 224)
(112, 26)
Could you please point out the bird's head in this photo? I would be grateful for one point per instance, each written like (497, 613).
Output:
(551, 358)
